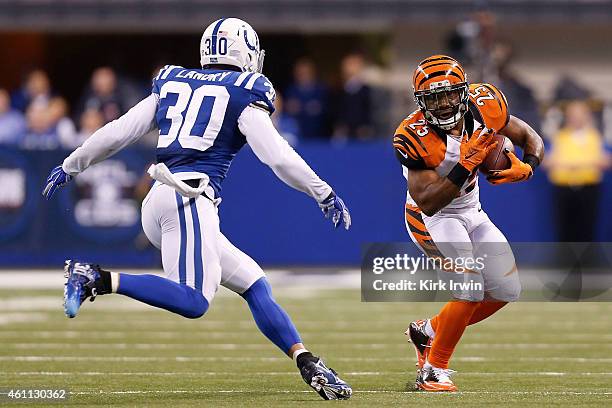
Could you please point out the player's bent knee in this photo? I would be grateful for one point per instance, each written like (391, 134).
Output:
(259, 289)
(473, 296)
(508, 292)
(195, 306)
(198, 310)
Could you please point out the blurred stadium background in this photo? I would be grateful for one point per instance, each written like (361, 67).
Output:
(342, 69)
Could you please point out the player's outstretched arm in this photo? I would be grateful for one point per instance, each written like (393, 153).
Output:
(105, 142)
(523, 135)
(273, 150)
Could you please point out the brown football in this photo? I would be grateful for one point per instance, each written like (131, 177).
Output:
(497, 159)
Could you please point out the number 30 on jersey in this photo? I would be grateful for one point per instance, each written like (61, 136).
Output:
(195, 128)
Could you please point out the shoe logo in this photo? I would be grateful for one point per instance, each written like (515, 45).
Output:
(405, 155)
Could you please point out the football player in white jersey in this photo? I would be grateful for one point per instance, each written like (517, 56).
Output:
(204, 117)
(441, 146)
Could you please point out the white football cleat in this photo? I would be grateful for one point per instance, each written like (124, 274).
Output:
(434, 379)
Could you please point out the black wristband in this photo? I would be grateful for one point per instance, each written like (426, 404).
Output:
(531, 160)
(330, 196)
(458, 175)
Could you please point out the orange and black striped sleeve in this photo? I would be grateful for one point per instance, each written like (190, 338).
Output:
(407, 149)
(491, 106)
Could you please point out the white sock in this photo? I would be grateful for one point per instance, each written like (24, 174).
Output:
(429, 330)
(296, 353)
(114, 281)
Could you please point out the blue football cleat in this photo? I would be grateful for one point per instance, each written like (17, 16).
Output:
(80, 284)
(325, 381)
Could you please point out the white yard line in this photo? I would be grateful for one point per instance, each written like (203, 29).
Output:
(185, 359)
(279, 373)
(544, 393)
(12, 318)
(224, 329)
(210, 346)
(235, 346)
(545, 346)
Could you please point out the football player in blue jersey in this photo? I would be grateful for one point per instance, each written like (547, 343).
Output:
(204, 117)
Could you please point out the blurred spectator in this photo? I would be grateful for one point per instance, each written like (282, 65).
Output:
(47, 125)
(41, 132)
(285, 124)
(36, 89)
(521, 101)
(12, 122)
(353, 118)
(64, 127)
(306, 100)
(90, 121)
(103, 95)
(568, 89)
(576, 163)
(471, 43)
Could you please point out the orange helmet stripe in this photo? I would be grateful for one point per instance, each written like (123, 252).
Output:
(430, 69)
(459, 68)
(440, 59)
(437, 58)
(436, 74)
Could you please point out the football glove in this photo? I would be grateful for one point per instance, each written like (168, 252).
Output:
(57, 178)
(474, 150)
(333, 207)
(518, 171)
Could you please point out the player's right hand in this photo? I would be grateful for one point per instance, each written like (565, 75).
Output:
(57, 178)
(333, 207)
(474, 150)
(518, 171)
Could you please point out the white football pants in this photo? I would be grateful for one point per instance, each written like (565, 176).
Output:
(469, 233)
(194, 251)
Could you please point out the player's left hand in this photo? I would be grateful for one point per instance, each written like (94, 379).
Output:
(334, 207)
(57, 178)
(518, 171)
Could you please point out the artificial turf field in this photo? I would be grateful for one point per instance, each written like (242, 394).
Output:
(119, 353)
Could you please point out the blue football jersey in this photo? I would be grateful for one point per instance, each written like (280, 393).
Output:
(197, 117)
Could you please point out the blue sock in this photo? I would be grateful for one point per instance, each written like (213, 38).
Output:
(160, 292)
(271, 319)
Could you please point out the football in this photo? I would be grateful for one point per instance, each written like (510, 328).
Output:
(497, 159)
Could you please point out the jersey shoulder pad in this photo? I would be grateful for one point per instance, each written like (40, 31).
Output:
(489, 106)
(261, 91)
(167, 72)
(407, 144)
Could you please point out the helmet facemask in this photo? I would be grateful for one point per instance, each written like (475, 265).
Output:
(260, 60)
(255, 63)
(443, 106)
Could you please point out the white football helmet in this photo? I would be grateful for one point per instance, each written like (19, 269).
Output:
(231, 41)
